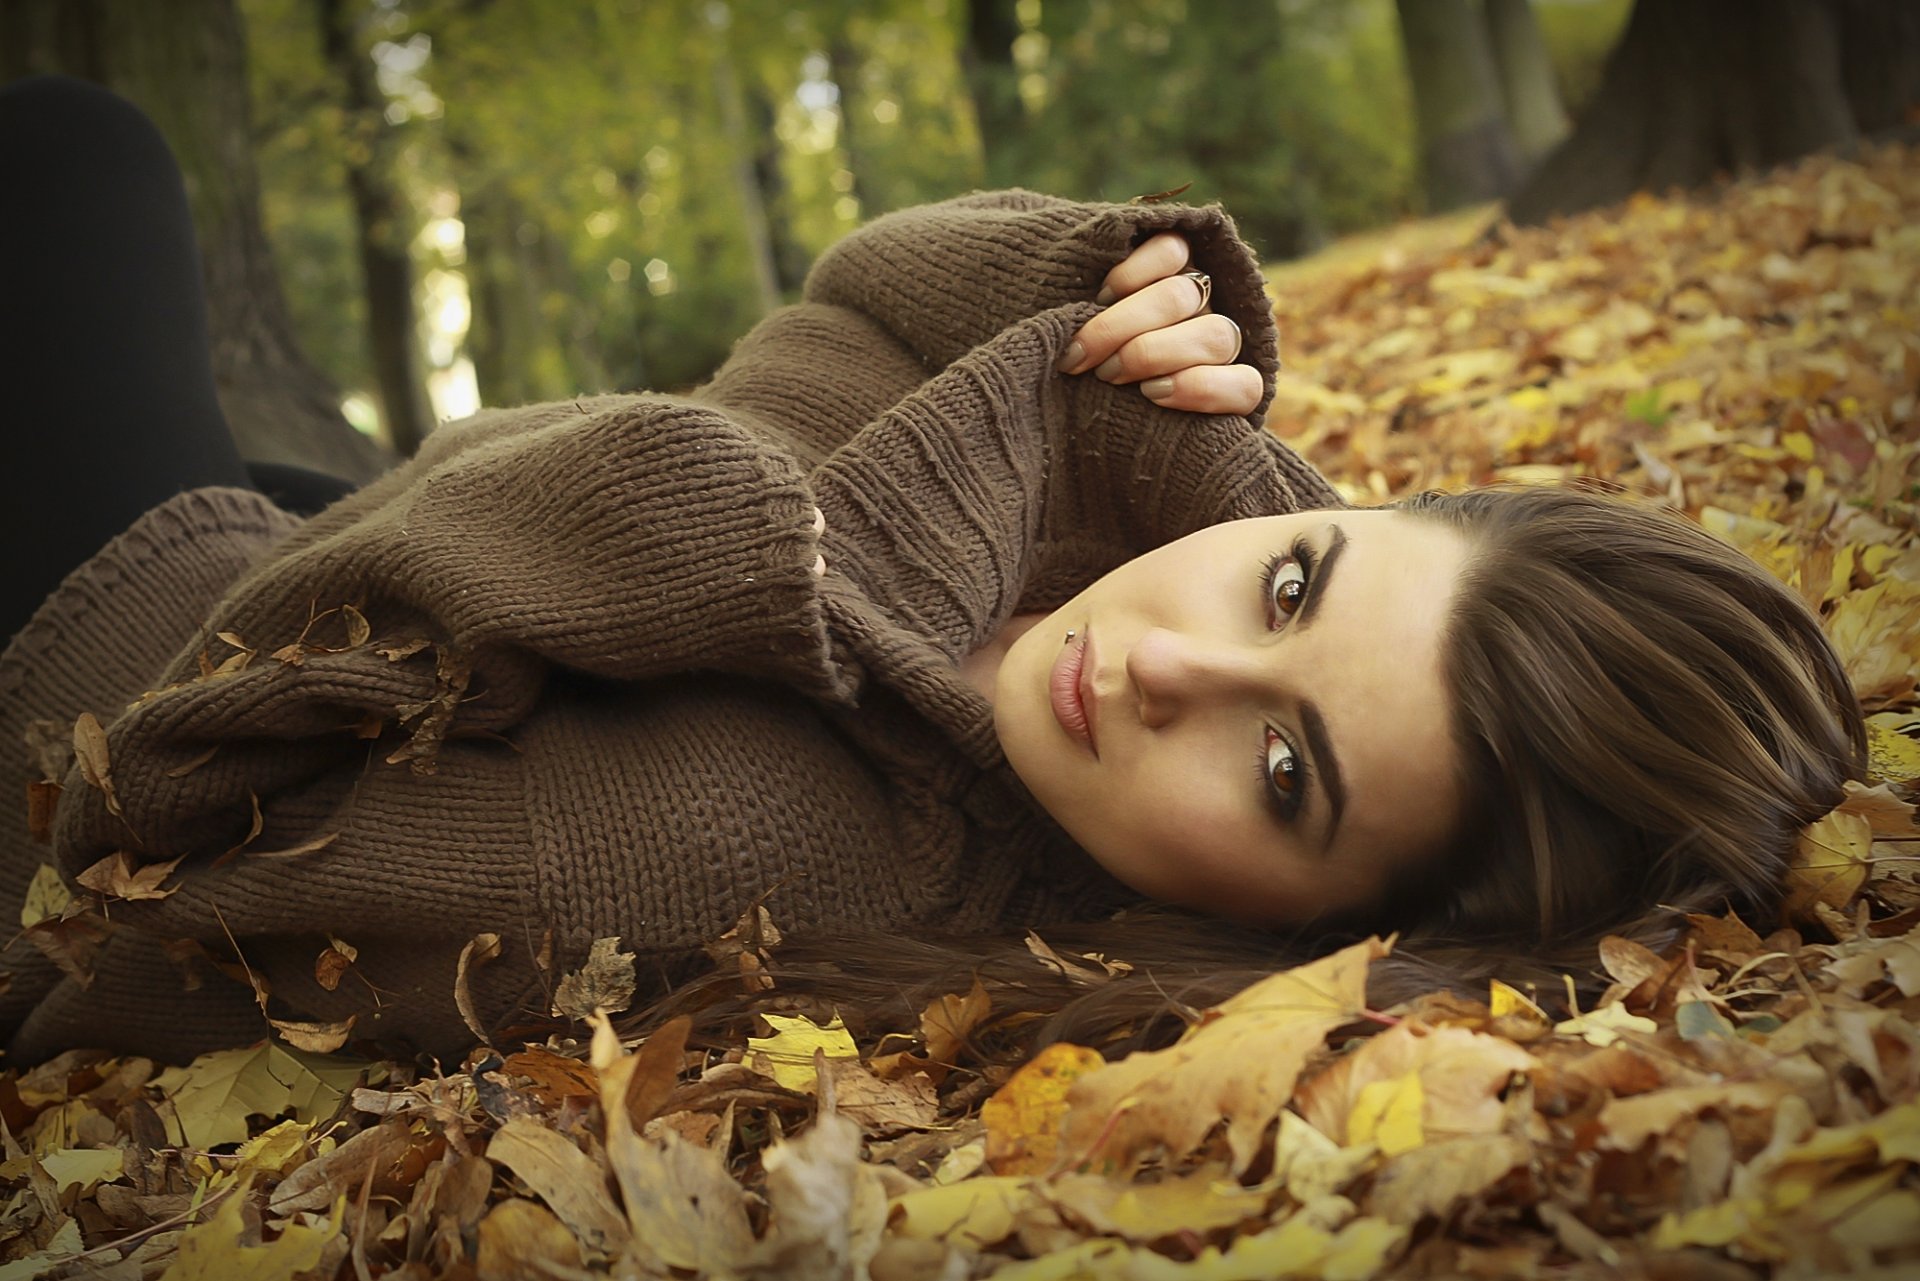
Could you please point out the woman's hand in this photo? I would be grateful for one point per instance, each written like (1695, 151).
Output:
(1159, 333)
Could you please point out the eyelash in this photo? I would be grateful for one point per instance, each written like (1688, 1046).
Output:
(1286, 805)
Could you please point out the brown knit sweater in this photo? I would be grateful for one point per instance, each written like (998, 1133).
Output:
(588, 685)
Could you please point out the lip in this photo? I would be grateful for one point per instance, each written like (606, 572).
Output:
(1069, 689)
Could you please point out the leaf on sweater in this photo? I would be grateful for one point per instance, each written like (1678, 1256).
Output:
(452, 670)
(480, 949)
(314, 1038)
(333, 963)
(90, 751)
(606, 982)
(1240, 1063)
(359, 632)
(47, 897)
(117, 876)
(50, 746)
(43, 798)
(399, 651)
(747, 947)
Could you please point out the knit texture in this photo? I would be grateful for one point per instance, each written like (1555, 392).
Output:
(587, 684)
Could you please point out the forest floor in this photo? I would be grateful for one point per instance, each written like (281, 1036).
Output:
(1743, 1106)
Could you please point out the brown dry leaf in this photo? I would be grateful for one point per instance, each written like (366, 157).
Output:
(313, 846)
(553, 1078)
(604, 982)
(1239, 1063)
(315, 1038)
(522, 1240)
(371, 1153)
(117, 876)
(480, 949)
(332, 964)
(1434, 1179)
(1829, 864)
(560, 1174)
(1460, 1074)
(1024, 1117)
(359, 632)
(43, 798)
(1629, 1122)
(90, 751)
(655, 1070)
(949, 1020)
(1074, 966)
(883, 1105)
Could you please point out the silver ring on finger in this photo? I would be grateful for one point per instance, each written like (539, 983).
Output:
(1239, 340)
(1204, 283)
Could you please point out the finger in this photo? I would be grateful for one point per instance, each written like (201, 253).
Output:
(819, 521)
(1155, 306)
(1207, 389)
(1202, 340)
(819, 567)
(1156, 258)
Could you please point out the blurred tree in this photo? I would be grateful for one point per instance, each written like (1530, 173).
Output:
(993, 83)
(385, 226)
(1696, 90)
(1467, 151)
(184, 63)
(1527, 86)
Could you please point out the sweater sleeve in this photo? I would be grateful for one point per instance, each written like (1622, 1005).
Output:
(946, 277)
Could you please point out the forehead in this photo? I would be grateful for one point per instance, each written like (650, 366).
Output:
(1388, 706)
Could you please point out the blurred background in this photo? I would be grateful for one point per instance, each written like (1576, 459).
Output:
(412, 207)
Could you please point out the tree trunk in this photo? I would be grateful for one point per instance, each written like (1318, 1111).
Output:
(746, 183)
(384, 228)
(1527, 86)
(993, 82)
(183, 62)
(1466, 149)
(790, 258)
(1694, 91)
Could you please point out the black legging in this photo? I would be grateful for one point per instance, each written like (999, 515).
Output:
(110, 405)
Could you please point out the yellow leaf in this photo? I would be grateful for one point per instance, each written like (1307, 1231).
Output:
(214, 1095)
(1891, 755)
(972, 1214)
(1830, 863)
(82, 1167)
(212, 1250)
(1602, 1027)
(1309, 1164)
(1503, 1000)
(1387, 1113)
(1710, 1225)
(1023, 1117)
(787, 1055)
(47, 897)
(277, 1150)
(1240, 1063)
(1202, 1200)
(1799, 444)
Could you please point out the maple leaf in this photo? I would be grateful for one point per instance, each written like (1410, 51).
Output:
(1239, 1063)
(605, 982)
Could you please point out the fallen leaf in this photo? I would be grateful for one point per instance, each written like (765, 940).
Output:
(217, 1248)
(1829, 864)
(949, 1020)
(560, 1174)
(90, 751)
(480, 949)
(333, 963)
(117, 876)
(1239, 1063)
(213, 1096)
(47, 897)
(315, 1038)
(520, 1240)
(1024, 1117)
(605, 982)
(787, 1055)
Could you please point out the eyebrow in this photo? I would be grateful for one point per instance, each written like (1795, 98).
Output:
(1336, 543)
(1327, 764)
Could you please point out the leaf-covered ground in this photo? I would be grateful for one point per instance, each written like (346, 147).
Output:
(1746, 1106)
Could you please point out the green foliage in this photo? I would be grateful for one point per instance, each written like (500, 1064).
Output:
(614, 190)
(1579, 35)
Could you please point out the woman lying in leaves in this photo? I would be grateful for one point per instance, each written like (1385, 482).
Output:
(933, 616)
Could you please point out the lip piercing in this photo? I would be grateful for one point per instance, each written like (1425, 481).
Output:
(1069, 639)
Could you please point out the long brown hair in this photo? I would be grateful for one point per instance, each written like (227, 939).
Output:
(1645, 718)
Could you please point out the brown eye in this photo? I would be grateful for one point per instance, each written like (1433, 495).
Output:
(1289, 588)
(1282, 770)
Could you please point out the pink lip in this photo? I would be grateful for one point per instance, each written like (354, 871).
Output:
(1070, 690)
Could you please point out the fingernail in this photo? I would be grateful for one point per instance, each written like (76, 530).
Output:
(819, 521)
(1105, 295)
(819, 566)
(1109, 369)
(1076, 352)
(1157, 388)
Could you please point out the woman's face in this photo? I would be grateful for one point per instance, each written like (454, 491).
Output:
(1251, 721)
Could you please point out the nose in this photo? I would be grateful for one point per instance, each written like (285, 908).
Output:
(1176, 672)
